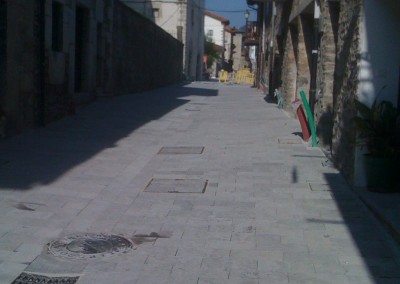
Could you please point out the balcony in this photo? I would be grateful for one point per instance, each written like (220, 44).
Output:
(252, 34)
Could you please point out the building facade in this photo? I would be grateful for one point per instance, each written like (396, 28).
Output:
(233, 48)
(214, 28)
(55, 54)
(337, 52)
(184, 20)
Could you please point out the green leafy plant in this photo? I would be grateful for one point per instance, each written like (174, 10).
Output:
(378, 128)
(212, 51)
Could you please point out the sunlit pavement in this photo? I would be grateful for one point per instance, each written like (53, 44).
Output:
(207, 182)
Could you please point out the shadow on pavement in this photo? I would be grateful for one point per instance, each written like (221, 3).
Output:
(361, 229)
(40, 156)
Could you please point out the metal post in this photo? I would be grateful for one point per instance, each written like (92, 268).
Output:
(271, 55)
(314, 57)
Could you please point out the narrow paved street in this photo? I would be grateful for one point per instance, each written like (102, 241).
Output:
(209, 182)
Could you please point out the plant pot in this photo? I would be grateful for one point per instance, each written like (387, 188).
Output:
(382, 174)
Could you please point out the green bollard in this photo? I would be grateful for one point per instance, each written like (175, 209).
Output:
(310, 119)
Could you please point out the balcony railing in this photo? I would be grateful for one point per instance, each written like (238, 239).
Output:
(252, 33)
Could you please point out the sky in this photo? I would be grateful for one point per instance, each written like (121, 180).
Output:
(233, 10)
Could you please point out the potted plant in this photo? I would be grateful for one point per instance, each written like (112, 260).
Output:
(378, 129)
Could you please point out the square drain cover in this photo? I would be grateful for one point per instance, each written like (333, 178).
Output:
(181, 150)
(177, 185)
(25, 278)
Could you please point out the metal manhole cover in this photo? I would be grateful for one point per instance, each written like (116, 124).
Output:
(25, 278)
(89, 246)
(181, 150)
(177, 185)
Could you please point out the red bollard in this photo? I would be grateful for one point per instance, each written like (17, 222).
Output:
(296, 104)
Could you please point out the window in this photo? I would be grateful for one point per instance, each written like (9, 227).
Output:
(57, 27)
(210, 33)
(156, 13)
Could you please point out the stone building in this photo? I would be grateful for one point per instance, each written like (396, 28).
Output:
(184, 20)
(214, 28)
(55, 54)
(337, 52)
(234, 48)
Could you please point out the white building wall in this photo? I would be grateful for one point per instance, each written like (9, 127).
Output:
(194, 39)
(380, 50)
(380, 60)
(217, 28)
(170, 16)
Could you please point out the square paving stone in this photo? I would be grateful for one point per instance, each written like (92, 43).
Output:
(177, 185)
(181, 150)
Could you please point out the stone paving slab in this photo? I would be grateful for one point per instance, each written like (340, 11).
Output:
(274, 211)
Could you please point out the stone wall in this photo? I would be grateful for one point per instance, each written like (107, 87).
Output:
(22, 67)
(338, 70)
(346, 85)
(295, 66)
(143, 55)
(3, 48)
(124, 53)
(325, 74)
(303, 50)
(289, 72)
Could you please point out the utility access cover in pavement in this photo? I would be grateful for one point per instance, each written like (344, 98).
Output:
(89, 246)
(27, 278)
(177, 185)
(181, 150)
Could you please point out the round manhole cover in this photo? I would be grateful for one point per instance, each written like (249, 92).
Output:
(89, 246)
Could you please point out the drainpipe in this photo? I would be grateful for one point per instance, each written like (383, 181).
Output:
(271, 50)
(314, 56)
(259, 51)
(42, 82)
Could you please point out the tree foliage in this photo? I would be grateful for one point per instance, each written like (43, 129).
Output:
(211, 50)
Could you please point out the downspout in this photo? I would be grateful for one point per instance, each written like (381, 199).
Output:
(263, 51)
(314, 56)
(271, 55)
(260, 19)
(42, 80)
